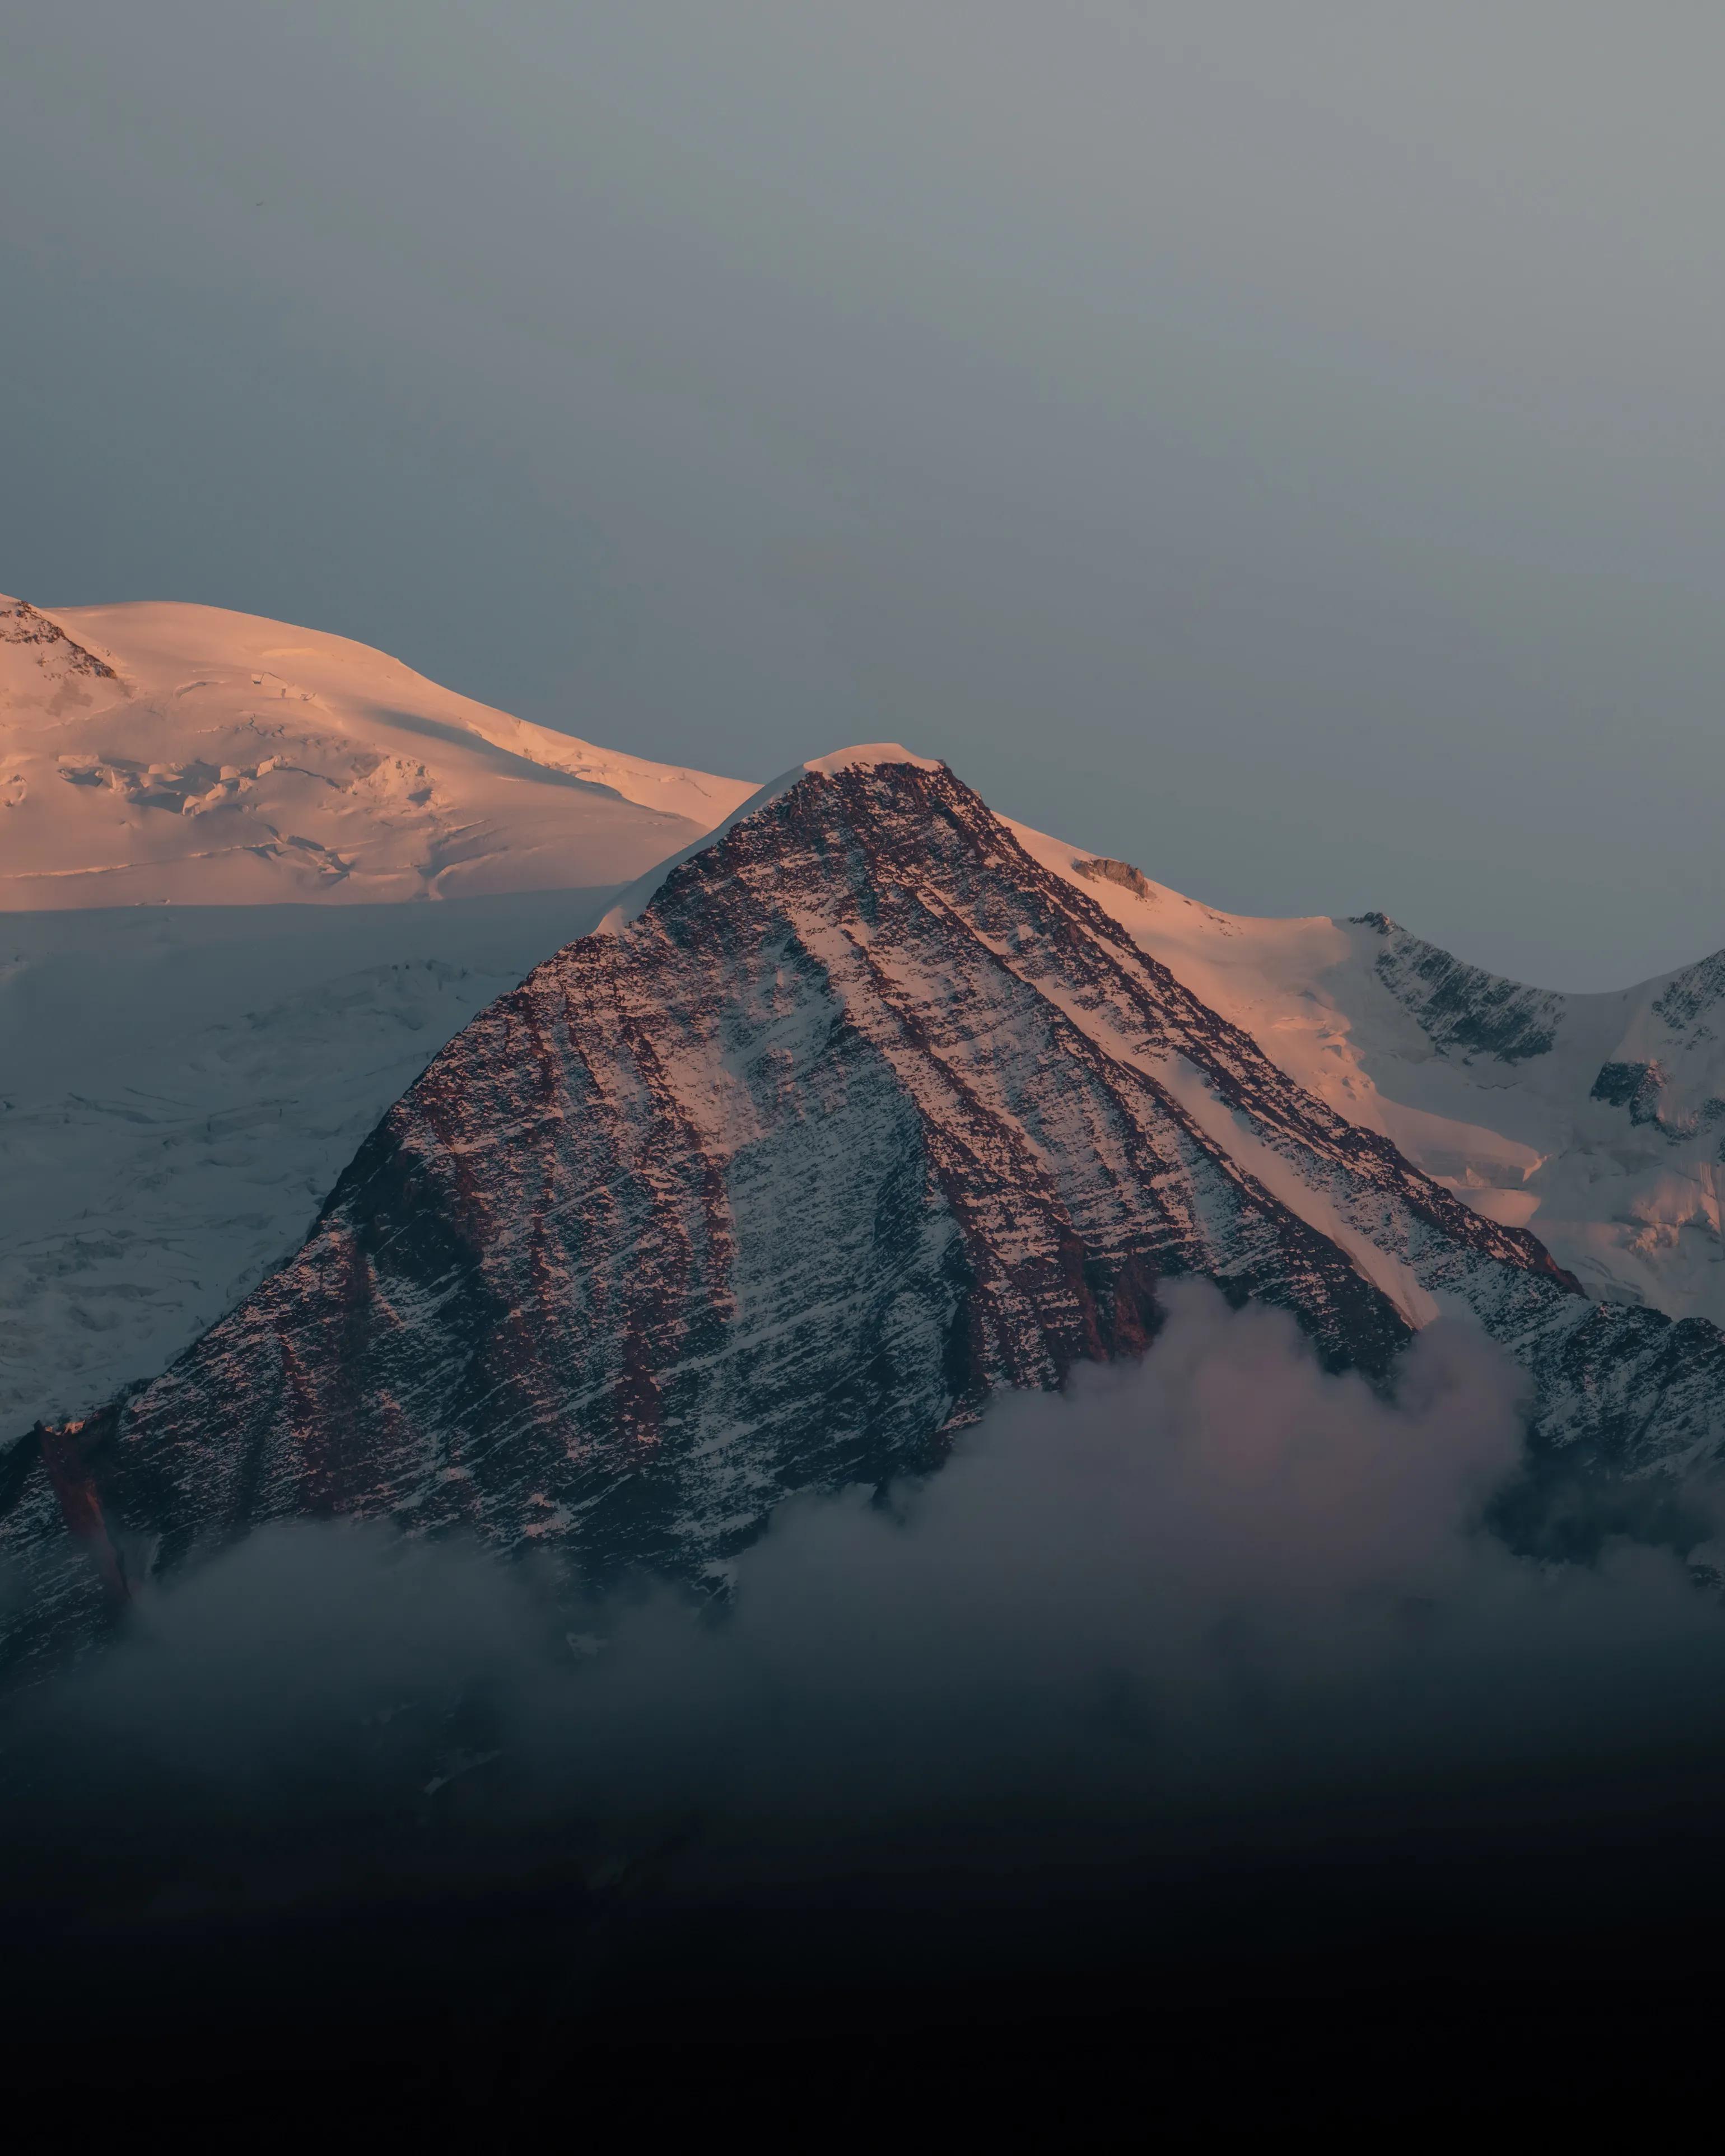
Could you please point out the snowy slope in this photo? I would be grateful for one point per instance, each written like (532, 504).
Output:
(153, 753)
(1595, 1120)
(179, 1087)
(185, 1061)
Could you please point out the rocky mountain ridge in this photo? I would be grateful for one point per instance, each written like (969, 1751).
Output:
(1597, 1119)
(853, 1115)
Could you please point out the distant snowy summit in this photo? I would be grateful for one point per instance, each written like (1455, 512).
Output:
(159, 752)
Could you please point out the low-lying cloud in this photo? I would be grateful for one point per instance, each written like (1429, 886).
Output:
(1217, 1602)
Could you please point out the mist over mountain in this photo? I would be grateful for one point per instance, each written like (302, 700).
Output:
(1203, 1679)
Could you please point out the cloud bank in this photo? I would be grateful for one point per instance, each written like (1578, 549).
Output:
(1218, 1617)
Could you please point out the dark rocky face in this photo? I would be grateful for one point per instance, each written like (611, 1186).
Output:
(865, 1116)
(1100, 870)
(53, 649)
(1462, 1008)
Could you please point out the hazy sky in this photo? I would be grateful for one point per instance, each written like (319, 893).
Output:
(1281, 444)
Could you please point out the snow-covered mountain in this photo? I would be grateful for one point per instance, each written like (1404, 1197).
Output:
(858, 1111)
(1598, 1121)
(210, 985)
(156, 753)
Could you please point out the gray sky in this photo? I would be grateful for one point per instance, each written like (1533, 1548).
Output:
(1279, 443)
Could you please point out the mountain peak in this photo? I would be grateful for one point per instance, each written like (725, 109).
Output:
(863, 756)
(865, 1114)
(840, 762)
